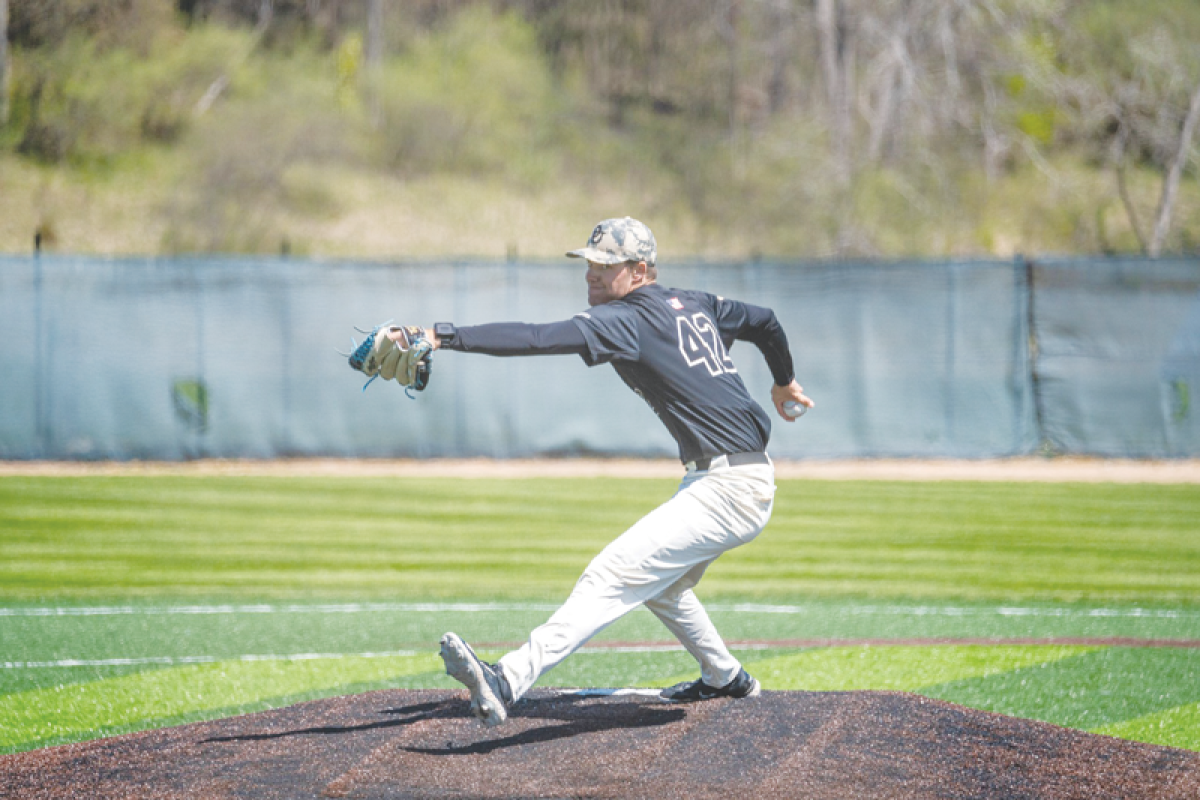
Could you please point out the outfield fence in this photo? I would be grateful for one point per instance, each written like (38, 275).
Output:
(182, 358)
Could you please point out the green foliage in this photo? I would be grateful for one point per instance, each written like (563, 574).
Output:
(250, 158)
(678, 112)
(84, 102)
(1038, 125)
(476, 97)
(110, 23)
(1133, 62)
(1119, 40)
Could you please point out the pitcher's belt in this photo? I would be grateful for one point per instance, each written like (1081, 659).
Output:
(731, 460)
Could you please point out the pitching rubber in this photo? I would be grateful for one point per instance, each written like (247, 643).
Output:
(462, 665)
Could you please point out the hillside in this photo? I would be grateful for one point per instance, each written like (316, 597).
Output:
(360, 128)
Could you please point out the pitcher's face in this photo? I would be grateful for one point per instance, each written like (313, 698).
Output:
(609, 282)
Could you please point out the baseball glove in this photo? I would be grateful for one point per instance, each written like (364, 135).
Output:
(408, 361)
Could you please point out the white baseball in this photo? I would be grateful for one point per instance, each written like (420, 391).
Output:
(794, 408)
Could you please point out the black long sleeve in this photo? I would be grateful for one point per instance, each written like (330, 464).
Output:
(750, 323)
(520, 339)
(765, 333)
(760, 327)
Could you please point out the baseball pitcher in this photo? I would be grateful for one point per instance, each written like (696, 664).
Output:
(671, 347)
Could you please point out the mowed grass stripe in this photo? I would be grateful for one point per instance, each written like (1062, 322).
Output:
(162, 631)
(1148, 695)
(529, 539)
(1031, 676)
(116, 539)
(1003, 541)
(1089, 690)
(898, 668)
(301, 535)
(1173, 727)
(147, 698)
(153, 696)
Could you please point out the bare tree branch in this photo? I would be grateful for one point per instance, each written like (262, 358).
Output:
(1118, 158)
(373, 54)
(218, 87)
(3, 61)
(946, 37)
(837, 63)
(1166, 206)
(374, 59)
(896, 79)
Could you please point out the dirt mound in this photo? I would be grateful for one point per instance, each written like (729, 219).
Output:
(398, 744)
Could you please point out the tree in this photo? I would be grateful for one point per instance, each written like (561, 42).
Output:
(837, 66)
(1123, 82)
(3, 62)
(373, 55)
(1166, 206)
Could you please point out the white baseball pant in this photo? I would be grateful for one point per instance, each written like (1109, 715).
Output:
(657, 562)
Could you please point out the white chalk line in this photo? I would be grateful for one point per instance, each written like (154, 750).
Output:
(641, 647)
(178, 661)
(951, 611)
(341, 608)
(358, 608)
(469, 608)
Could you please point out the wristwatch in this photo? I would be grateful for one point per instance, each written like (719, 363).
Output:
(445, 332)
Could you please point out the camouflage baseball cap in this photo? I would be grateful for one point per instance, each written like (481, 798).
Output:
(614, 241)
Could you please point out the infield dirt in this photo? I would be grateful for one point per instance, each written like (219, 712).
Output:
(401, 744)
(1060, 469)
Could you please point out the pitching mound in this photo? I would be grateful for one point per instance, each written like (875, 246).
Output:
(398, 744)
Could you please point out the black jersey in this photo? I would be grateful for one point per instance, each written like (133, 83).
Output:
(671, 347)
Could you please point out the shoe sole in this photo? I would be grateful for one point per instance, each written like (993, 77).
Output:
(462, 665)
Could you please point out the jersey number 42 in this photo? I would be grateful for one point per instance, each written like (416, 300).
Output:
(700, 343)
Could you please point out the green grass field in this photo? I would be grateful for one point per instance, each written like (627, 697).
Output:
(134, 602)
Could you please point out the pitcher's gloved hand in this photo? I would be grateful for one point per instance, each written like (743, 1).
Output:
(405, 356)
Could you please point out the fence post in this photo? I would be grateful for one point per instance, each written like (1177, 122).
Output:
(287, 287)
(462, 287)
(951, 335)
(41, 395)
(1033, 348)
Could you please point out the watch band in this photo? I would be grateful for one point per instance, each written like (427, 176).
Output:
(445, 332)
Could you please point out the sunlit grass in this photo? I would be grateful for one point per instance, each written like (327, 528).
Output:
(529, 539)
(135, 602)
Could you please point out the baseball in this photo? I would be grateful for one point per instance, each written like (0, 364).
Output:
(794, 408)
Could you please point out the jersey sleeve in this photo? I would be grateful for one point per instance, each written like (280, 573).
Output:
(611, 333)
(759, 326)
(520, 339)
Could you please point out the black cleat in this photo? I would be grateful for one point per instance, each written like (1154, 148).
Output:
(741, 686)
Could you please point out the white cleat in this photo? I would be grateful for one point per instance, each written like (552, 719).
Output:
(490, 692)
